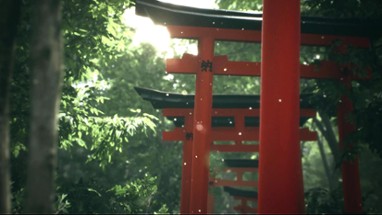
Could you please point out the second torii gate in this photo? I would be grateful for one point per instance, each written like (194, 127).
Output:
(234, 118)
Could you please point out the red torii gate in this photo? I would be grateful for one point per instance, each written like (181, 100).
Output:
(278, 70)
(234, 118)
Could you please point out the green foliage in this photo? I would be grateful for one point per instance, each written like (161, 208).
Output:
(62, 204)
(135, 197)
(241, 5)
(342, 9)
(104, 123)
(320, 199)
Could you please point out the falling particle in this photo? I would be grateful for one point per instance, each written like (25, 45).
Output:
(250, 108)
(280, 100)
(199, 211)
(239, 133)
(225, 69)
(201, 99)
(222, 159)
(213, 23)
(230, 122)
(199, 127)
(324, 95)
(184, 163)
(190, 113)
(242, 29)
(322, 37)
(167, 94)
(181, 32)
(340, 101)
(196, 156)
(175, 119)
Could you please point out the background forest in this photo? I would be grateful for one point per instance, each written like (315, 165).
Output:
(110, 156)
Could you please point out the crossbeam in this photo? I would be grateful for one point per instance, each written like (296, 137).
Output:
(191, 32)
(189, 64)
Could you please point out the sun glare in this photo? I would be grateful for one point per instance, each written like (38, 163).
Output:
(157, 35)
(146, 31)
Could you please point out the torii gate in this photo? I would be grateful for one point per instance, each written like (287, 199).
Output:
(280, 73)
(234, 118)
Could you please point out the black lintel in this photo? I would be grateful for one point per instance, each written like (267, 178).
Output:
(160, 100)
(241, 163)
(171, 14)
(228, 121)
(240, 192)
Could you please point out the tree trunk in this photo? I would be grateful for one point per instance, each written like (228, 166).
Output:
(326, 130)
(9, 17)
(328, 172)
(46, 56)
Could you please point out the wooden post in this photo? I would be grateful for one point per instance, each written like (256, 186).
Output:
(186, 167)
(186, 177)
(280, 173)
(202, 128)
(350, 171)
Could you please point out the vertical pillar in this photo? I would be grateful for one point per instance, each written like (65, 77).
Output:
(186, 167)
(350, 171)
(280, 172)
(186, 177)
(202, 128)
(211, 204)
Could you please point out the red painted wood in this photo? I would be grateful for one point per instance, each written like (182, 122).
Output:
(189, 32)
(222, 66)
(186, 177)
(350, 169)
(211, 204)
(228, 134)
(238, 134)
(253, 112)
(238, 182)
(243, 207)
(202, 130)
(186, 169)
(222, 183)
(280, 172)
(235, 148)
(188, 64)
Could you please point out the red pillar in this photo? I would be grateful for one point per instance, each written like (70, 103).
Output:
(186, 177)
(280, 172)
(350, 171)
(186, 167)
(202, 128)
